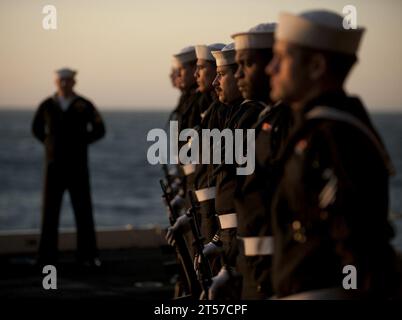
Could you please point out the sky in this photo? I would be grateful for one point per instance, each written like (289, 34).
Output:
(123, 49)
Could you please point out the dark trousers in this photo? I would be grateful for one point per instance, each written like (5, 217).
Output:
(75, 179)
(256, 271)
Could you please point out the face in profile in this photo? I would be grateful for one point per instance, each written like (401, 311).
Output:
(225, 84)
(288, 73)
(205, 75)
(185, 77)
(251, 78)
(174, 74)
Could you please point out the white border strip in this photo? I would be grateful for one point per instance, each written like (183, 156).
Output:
(258, 246)
(228, 221)
(206, 194)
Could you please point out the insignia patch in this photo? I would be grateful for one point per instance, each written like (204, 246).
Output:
(266, 126)
(328, 193)
(301, 146)
(299, 232)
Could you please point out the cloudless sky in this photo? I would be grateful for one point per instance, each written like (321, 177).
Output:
(122, 49)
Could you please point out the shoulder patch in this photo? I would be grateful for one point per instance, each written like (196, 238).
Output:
(266, 126)
(300, 146)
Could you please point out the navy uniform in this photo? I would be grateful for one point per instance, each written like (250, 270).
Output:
(204, 180)
(196, 109)
(199, 106)
(178, 111)
(253, 205)
(255, 248)
(331, 209)
(66, 137)
(242, 116)
(190, 96)
(174, 76)
(331, 206)
(207, 97)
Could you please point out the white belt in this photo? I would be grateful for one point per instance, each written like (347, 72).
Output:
(188, 169)
(228, 221)
(206, 194)
(258, 246)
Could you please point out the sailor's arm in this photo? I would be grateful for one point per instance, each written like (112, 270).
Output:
(38, 124)
(97, 127)
(349, 190)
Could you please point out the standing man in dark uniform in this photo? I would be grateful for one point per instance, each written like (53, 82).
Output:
(230, 98)
(211, 118)
(252, 56)
(199, 113)
(200, 116)
(204, 75)
(174, 78)
(186, 62)
(253, 193)
(331, 206)
(66, 124)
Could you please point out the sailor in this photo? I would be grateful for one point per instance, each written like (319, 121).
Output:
(254, 191)
(230, 98)
(215, 118)
(66, 124)
(186, 60)
(212, 118)
(331, 206)
(204, 75)
(174, 75)
(252, 56)
(174, 78)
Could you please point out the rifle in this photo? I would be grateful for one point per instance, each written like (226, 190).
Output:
(205, 273)
(191, 283)
(166, 173)
(173, 182)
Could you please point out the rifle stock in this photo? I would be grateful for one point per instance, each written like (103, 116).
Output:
(191, 283)
(205, 273)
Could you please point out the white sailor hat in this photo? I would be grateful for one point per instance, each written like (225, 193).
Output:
(226, 56)
(204, 51)
(186, 54)
(258, 37)
(319, 29)
(65, 73)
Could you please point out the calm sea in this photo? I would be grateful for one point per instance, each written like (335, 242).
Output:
(125, 186)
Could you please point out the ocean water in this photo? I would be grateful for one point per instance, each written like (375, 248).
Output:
(125, 187)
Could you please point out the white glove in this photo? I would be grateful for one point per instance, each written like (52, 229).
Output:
(212, 249)
(175, 185)
(182, 224)
(177, 203)
(173, 171)
(219, 284)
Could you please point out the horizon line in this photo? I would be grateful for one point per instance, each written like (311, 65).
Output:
(164, 108)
